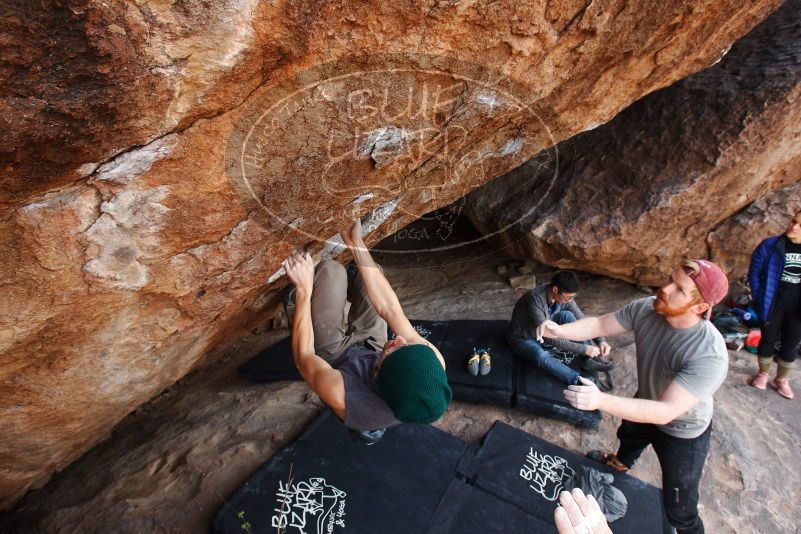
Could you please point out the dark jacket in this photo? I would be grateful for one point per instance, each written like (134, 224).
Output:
(531, 310)
(765, 273)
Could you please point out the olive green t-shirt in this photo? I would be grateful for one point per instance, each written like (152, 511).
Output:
(695, 357)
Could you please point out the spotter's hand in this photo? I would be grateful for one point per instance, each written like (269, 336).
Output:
(593, 351)
(584, 397)
(579, 514)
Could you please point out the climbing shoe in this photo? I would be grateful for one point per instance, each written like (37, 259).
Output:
(609, 386)
(474, 363)
(607, 459)
(597, 364)
(485, 365)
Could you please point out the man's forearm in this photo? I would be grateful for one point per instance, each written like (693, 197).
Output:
(380, 293)
(583, 329)
(302, 330)
(568, 345)
(636, 410)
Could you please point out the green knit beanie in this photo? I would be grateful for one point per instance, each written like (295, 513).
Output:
(413, 383)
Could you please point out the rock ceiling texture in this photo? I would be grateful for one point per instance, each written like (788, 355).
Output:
(160, 158)
(656, 183)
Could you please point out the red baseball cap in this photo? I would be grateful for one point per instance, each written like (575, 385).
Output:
(710, 280)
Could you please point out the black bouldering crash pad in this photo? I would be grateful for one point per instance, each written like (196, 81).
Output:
(272, 364)
(418, 479)
(512, 381)
(326, 483)
(467, 509)
(461, 338)
(276, 363)
(529, 473)
(456, 341)
(538, 392)
(432, 331)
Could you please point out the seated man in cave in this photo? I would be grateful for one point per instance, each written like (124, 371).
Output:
(553, 301)
(369, 383)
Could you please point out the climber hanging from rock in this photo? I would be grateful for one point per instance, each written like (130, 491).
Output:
(369, 382)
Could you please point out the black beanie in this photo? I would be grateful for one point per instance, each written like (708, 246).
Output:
(566, 281)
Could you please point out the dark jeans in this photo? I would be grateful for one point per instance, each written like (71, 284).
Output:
(784, 324)
(532, 350)
(682, 462)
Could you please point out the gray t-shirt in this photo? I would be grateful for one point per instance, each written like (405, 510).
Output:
(695, 357)
(364, 409)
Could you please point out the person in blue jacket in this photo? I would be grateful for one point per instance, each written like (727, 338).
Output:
(775, 278)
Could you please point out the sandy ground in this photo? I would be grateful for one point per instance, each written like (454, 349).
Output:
(169, 466)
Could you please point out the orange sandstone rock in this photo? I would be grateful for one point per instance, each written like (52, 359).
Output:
(160, 159)
(638, 194)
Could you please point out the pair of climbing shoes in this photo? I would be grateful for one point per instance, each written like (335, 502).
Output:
(479, 362)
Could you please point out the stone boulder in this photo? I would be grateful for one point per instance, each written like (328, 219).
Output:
(160, 159)
(732, 242)
(632, 197)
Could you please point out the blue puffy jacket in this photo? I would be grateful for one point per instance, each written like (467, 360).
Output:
(765, 273)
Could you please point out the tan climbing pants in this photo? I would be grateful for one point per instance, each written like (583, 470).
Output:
(333, 332)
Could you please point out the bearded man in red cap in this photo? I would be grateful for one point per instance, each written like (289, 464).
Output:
(681, 362)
